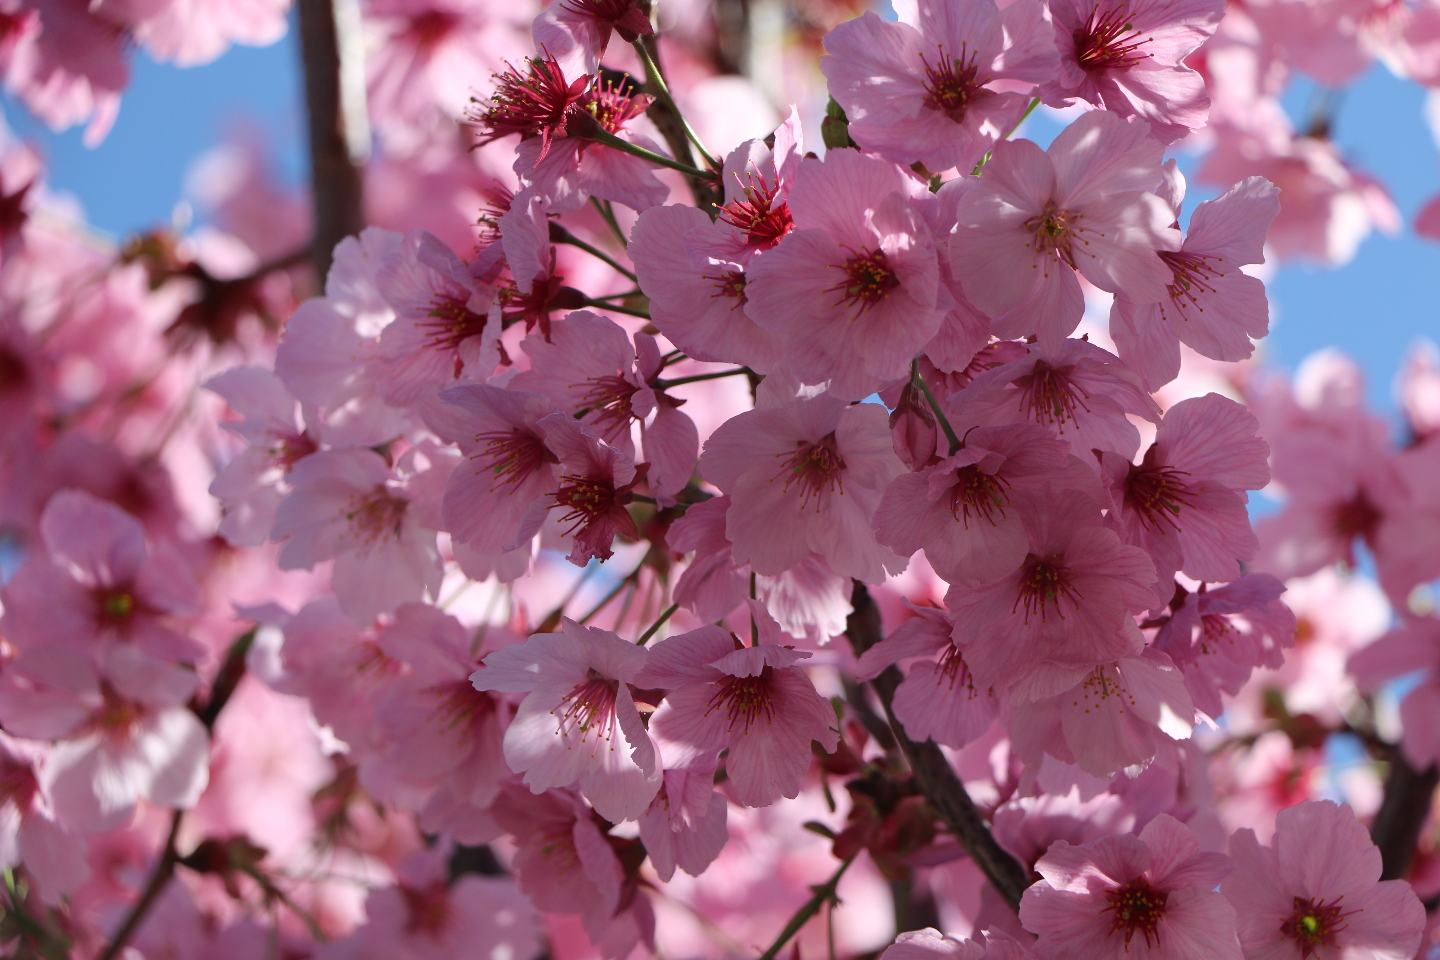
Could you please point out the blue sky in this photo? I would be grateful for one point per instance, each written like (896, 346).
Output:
(1373, 308)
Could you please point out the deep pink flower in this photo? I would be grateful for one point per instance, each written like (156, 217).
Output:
(1037, 216)
(98, 582)
(1316, 891)
(595, 488)
(1184, 503)
(1213, 307)
(919, 89)
(754, 702)
(1218, 637)
(1081, 392)
(446, 326)
(1128, 56)
(588, 367)
(578, 721)
(805, 475)
(349, 506)
(1125, 896)
(853, 291)
(966, 511)
(1042, 628)
(938, 699)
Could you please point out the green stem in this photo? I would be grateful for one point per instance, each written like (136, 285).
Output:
(617, 308)
(599, 135)
(598, 254)
(980, 164)
(652, 73)
(823, 894)
(607, 213)
(667, 384)
(604, 603)
(955, 443)
(650, 632)
(637, 292)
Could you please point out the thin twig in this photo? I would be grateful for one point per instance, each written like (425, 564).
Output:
(824, 893)
(667, 384)
(598, 134)
(617, 308)
(919, 380)
(159, 879)
(559, 234)
(662, 90)
(607, 213)
(650, 632)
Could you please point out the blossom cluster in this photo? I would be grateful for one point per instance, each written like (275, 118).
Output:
(533, 582)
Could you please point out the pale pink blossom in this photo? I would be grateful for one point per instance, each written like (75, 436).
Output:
(1316, 891)
(920, 89)
(1151, 895)
(588, 367)
(349, 506)
(685, 825)
(578, 722)
(805, 475)
(1041, 629)
(966, 510)
(853, 291)
(191, 34)
(1129, 58)
(29, 834)
(938, 699)
(446, 326)
(1081, 392)
(753, 701)
(931, 944)
(1185, 502)
(1212, 306)
(68, 66)
(577, 32)
(1036, 217)
(1412, 646)
(98, 582)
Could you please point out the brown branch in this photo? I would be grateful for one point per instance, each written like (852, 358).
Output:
(335, 170)
(1397, 824)
(933, 774)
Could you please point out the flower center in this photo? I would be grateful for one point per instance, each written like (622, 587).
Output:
(614, 103)
(1356, 517)
(731, 283)
(429, 28)
(589, 707)
(868, 280)
(953, 669)
(1054, 231)
(763, 220)
(427, 908)
(609, 399)
(289, 449)
(746, 699)
(1137, 908)
(1051, 398)
(459, 705)
(451, 323)
(17, 784)
(588, 499)
(377, 515)
(1108, 42)
(115, 606)
(1314, 925)
(951, 85)
(512, 456)
(532, 104)
(978, 494)
(1044, 582)
(1156, 493)
(1193, 274)
(817, 468)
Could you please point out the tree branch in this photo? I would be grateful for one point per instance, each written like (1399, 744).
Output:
(672, 127)
(339, 139)
(1397, 824)
(933, 773)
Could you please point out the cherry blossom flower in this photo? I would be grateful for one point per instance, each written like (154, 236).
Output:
(1412, 646)
(52, 854)
(1041, 629)
(588, 367)
(919, 90)
(349, 506)
(1129, 57)
(931, 944)
(1037, 217)
(805, 475)
(446, 326)
(577, 32)
(754, 702)
(685, 825)
(100, 583)
(966, 511)
(578, 721)
(1184, 503)
(1151, 895)
(853, 291)
(1213, 307)
(596, 482)
(1316, 890)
